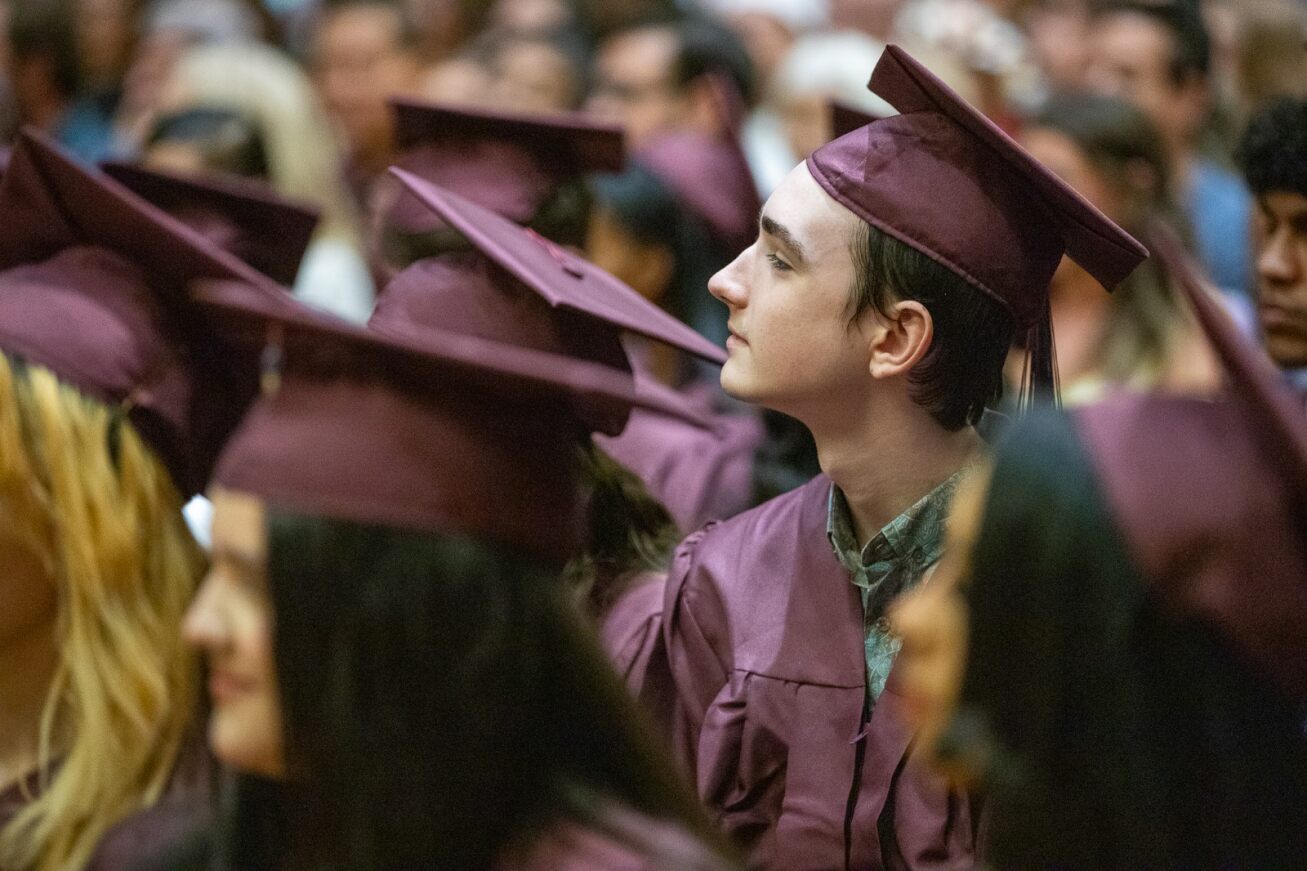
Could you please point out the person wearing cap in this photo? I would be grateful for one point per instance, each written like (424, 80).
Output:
(1115, 647)
(398, 678)
(241, 216)
(1272, 154)
(665, 73)
(645, 232)
(112, 404)
(892, 271)
(528, 167)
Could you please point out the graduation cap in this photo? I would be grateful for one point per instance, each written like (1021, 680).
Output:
(509, 162)
(711, 177)
(845, 118)
(947, 181)
(242, 216)
(414, 428)
(522, 290)
(1211, 497)
(93, 286)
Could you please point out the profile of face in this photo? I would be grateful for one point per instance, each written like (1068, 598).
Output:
(231, 622)
(28, 595)
(359, 61)
(932, 623)
(791, 344)
(1281, 242)
(1130, 57)
(634, 85)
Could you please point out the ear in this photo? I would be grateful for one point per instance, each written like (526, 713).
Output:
(901, 338)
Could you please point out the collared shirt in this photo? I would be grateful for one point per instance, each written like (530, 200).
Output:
(891, 563)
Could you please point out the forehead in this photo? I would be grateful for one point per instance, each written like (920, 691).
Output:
(238, 522)
(361, 24)
(1132, 36)
(809, 213)
(1284, 205)
(651, 49)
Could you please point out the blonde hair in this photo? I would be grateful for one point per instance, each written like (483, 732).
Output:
(267, 86)
(103, 513)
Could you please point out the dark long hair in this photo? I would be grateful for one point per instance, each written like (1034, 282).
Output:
(442, 703)
(1120, 735)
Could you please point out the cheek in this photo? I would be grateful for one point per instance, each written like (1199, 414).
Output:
(245, 730)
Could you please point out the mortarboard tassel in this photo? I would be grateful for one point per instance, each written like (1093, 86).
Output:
(1039, 377)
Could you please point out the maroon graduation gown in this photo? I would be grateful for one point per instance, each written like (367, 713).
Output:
(630, 842)
(759, 679)
(699, 475)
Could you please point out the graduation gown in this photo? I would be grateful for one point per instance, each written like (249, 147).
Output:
(699, 475)
(758, 677)
(628, 841)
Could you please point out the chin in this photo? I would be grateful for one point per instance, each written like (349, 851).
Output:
(737, 384)
(243, 748)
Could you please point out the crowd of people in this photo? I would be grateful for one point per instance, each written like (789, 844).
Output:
(653, 434)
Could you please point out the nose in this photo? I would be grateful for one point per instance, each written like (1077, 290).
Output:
(203, 625)
(1277, 263)
(729, 284)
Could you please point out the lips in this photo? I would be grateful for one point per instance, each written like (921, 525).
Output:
(735, 336)
(224, 686)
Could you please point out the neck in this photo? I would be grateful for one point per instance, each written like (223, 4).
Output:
(27, 667)
(886, 456)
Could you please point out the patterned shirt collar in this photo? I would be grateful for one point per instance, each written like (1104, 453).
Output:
(914, 538)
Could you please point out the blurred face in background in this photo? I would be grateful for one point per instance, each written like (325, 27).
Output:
(1060, 153)
(1059, 40)
(1281, 239)
(534, 75)
(1130, 58)
(634, 84)
(359, 61)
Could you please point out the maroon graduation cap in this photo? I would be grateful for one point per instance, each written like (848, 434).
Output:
(509, 162)
(711, 177)
(944, 179)
(94, 286)
(845, 119)
(416, 428)
(520, 289)
(242, 216)
(1211, 497)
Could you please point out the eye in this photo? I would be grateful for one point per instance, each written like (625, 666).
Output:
(778, 264)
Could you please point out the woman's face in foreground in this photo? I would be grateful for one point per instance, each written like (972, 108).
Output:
(231, 622)
(932, 622)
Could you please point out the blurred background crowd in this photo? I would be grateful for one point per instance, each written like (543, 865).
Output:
(1138, 105)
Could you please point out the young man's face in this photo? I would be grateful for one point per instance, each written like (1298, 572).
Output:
(792, 347)
(1282, 275)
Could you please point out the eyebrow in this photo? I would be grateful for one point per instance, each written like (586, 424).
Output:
(779, 231)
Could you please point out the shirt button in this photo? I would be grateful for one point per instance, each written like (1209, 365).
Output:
(882, 624)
